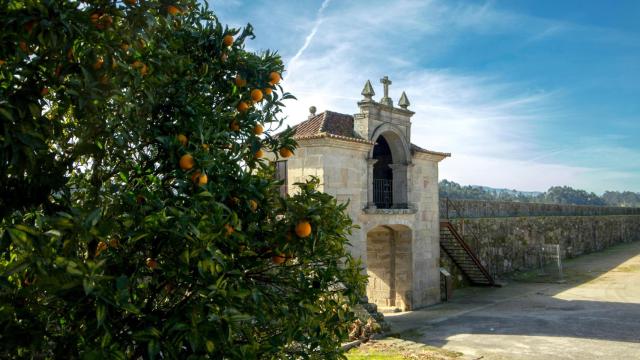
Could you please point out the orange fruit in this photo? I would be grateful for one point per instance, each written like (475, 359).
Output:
(2, 62)
(205, 146)
(267, 91)
(256, 95)
(278, 259)
(227, 40)
(253, 205)
(258, 129)
(203, 180)
(98, 64)
(195, 176)
(182, 139)
(44, 91)
(23, 46)
(243, 106)
(131, 2)
(229, 229)
(274, 78)
(100, 20)
(234, 126)
(285, 153)
(151, 263)
(259, 154)
(303, 229)
(102, 246)
(114, 243)
(142, 68)
(124, 46)
(173, 10)
(186, 162)
(240, 82)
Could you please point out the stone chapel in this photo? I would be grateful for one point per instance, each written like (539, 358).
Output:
(392, 188)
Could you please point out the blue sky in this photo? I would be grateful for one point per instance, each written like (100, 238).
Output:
(525, 94)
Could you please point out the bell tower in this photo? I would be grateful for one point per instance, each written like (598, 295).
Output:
(389, 128)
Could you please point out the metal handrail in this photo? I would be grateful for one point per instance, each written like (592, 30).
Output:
(383, 193)
(468, 250)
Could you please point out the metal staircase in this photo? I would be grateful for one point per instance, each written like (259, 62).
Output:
(452, 243)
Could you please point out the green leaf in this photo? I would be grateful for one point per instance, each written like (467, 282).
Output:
(101, 313)
(6, 114)
(153, 347)
(88, 286)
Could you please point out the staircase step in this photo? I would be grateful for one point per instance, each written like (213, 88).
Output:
(454, 246)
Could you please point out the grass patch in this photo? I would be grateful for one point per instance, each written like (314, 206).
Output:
(393, 348)
(374, 355)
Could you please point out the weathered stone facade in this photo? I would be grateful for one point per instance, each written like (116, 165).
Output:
(398, 243)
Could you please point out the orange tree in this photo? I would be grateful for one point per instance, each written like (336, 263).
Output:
(138, 217)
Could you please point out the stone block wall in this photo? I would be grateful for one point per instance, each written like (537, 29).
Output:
(404, 276)
(508, 244)
(379, 267)
(483, 209)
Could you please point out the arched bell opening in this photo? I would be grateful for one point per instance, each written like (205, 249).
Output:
(382, 174)
(388, 161)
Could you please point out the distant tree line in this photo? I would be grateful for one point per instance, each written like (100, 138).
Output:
(555, 195)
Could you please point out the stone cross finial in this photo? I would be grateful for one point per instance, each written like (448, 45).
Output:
(404, 101)
(386, 100)
(368, 92)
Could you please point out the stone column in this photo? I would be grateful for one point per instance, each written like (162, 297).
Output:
(399, 185)
(370, 203)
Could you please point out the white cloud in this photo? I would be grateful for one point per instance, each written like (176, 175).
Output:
(490, 124)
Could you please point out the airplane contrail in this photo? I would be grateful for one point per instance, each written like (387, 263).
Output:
(309, 37)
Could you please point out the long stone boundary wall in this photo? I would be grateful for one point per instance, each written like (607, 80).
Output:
(507, 244)
(508, 236)
(489, 209)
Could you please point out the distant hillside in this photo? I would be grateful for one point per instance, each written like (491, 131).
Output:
(509, 191)
(555, 195)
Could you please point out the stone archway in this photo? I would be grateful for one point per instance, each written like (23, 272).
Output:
(389, 266)
(388, 161)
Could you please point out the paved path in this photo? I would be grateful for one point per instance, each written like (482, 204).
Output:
(594, 315)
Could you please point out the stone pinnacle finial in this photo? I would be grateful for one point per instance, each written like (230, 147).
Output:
(386, 100)
(368, 92)
(312, 111)
(404, 101)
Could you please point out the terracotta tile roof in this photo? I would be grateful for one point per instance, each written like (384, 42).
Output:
(328, 124)
(339, 126)
(309, 127)
(417, 148)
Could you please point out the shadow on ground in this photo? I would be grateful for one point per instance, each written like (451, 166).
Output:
(594, 314)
